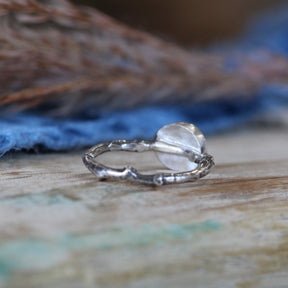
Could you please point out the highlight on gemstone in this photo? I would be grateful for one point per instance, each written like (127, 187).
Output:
(184, 135)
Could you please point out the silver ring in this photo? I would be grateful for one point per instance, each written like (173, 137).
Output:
(180, 146)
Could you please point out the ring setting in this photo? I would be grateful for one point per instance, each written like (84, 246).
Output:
(181, 147)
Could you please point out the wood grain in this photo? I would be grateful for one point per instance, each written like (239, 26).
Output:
(61, 228)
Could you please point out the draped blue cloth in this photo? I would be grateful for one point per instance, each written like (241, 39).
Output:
(33, 131)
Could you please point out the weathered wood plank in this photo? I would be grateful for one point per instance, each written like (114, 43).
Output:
(61, 228)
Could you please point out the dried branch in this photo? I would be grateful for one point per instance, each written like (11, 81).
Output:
(71, 58)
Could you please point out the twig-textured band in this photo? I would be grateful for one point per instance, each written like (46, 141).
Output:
(205, 164)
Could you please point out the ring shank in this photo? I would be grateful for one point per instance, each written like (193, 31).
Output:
(204, 165)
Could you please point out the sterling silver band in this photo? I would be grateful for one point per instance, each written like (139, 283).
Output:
(203, 160)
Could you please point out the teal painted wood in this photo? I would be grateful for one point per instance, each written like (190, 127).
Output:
(61, 228)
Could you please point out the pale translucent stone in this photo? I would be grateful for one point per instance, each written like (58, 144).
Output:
(184, 135)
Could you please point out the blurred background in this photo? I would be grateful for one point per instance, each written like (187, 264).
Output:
(99, 76)
(189, 22)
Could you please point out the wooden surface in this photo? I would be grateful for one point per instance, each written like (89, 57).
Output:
(61, 228)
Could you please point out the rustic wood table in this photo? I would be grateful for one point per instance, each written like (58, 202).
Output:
(61, 228)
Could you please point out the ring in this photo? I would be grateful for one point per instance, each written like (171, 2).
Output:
(180, 147)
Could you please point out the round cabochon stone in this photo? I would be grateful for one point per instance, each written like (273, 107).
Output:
(184, 135)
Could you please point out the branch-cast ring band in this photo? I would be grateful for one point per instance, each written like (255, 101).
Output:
(179, 146)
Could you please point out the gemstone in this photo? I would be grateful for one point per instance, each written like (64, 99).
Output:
(184, 135)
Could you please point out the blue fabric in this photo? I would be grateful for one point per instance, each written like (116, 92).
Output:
(269, 32)
(33, 131)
